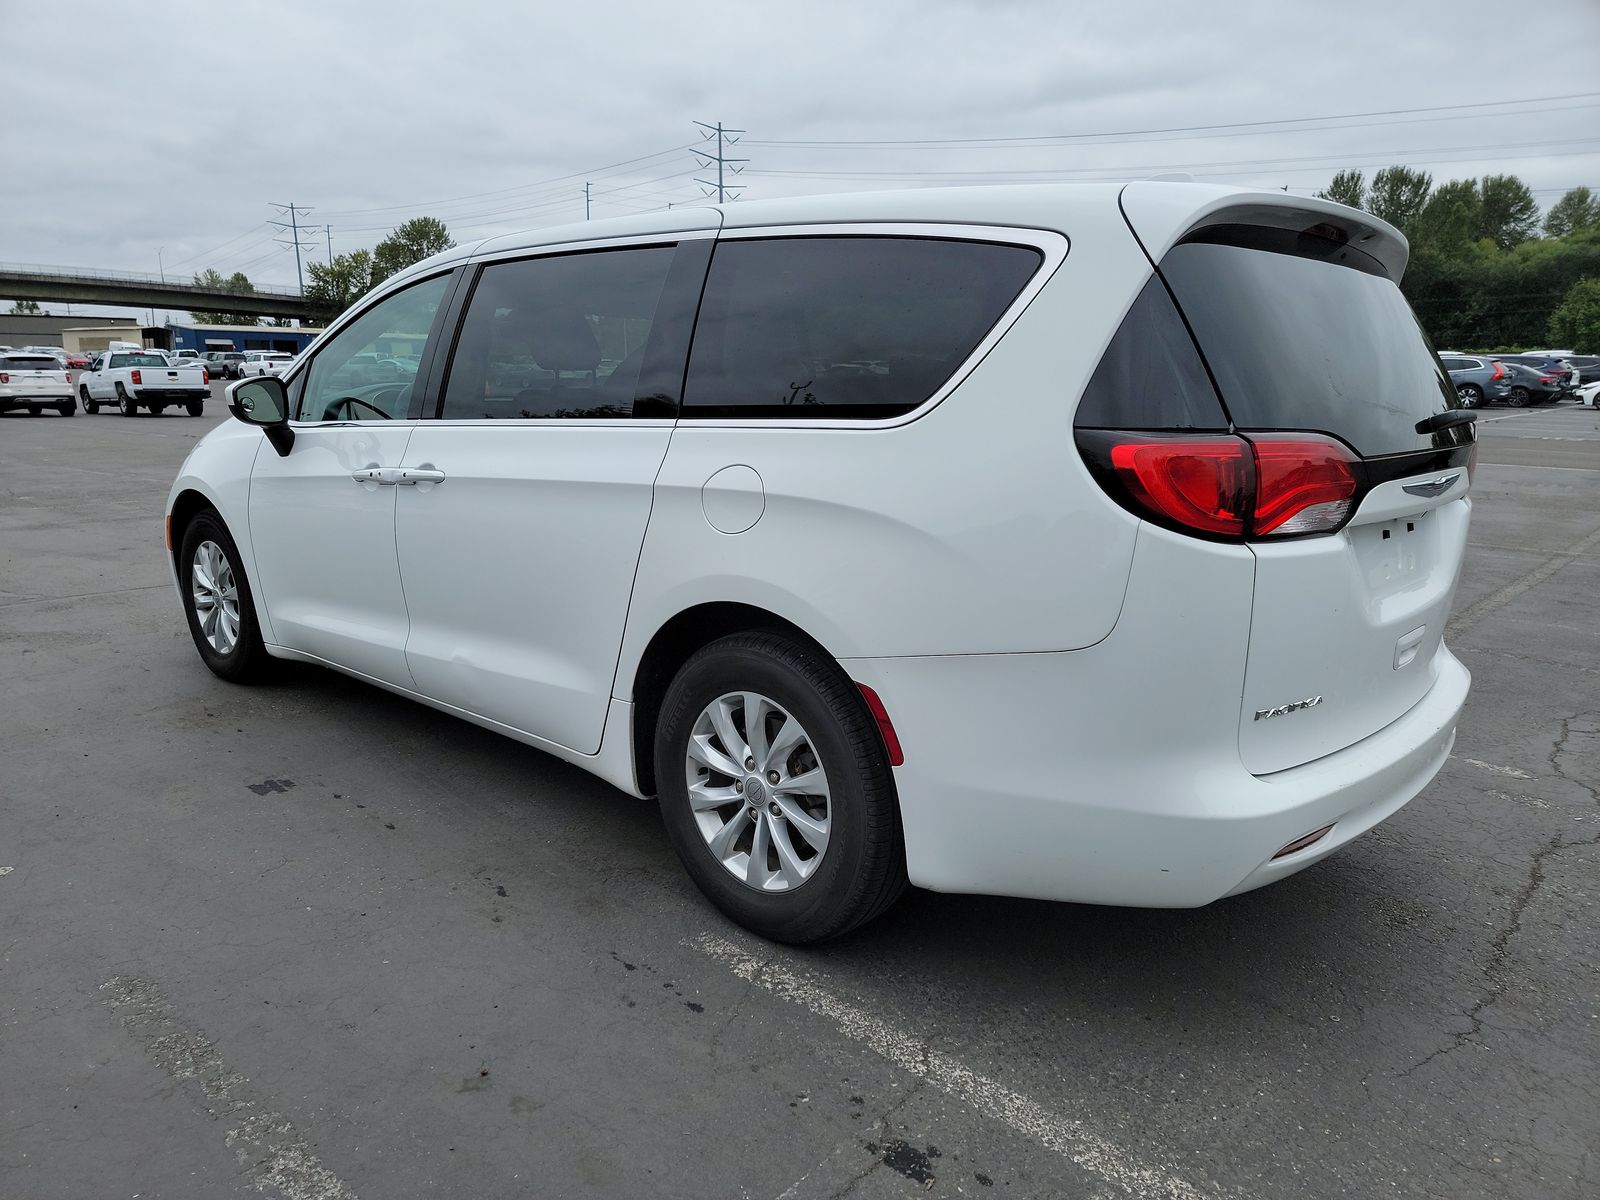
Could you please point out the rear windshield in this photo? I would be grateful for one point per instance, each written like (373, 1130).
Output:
(1303, 333)
(138, 360)
(17, 362)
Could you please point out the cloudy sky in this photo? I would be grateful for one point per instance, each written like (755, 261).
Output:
(159, 137)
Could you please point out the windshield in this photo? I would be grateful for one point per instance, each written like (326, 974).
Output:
(1303, 333)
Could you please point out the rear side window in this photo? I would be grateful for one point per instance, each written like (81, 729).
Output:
(1150, 377)
(851, 327)
(1302, 332)
(562, 337)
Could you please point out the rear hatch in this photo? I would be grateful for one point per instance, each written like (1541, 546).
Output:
(1302, 333)
(33, 373)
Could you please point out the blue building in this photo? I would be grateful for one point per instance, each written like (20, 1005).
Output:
(239, 337)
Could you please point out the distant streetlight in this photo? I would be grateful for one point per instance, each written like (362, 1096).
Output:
(160, 266)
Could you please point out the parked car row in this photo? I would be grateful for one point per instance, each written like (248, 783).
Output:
(1539, 377)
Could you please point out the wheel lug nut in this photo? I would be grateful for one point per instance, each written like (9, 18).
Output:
(772, 777)
(749, 763)
(774, 809)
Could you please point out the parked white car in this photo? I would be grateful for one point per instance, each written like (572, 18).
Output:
(1589, 394)
(143, 380)
(35, 382)
(260, 362)
(887, 536)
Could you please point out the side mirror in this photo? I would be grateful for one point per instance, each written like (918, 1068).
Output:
(263, 401)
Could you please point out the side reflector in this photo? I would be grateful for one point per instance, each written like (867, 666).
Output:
(1301, 843)
(891, 740)
(169, 533)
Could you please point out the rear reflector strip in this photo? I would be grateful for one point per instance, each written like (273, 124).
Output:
(1301, 843)
(891, 740)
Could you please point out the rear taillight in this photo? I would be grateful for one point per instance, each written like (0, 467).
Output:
(205, 375)
(1304, 484)
(136, 377)
(1203, 484)
(1228, 486)
(1499, 372)
(4, 378)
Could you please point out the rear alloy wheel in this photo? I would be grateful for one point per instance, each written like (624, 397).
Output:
(89, 406)
(1518, 397)
(1470, 395)
(218, 602)
(125, 402)
(775, 789)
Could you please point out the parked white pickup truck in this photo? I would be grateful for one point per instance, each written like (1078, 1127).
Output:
(145, 380)
(264, 362)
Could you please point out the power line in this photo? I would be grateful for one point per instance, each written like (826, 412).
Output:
(1070, 137)
(433, 204)
(724, 139)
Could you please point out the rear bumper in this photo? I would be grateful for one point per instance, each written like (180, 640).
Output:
(1016, 783)
(145, 395)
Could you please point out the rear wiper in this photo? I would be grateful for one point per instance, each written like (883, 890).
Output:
(1445, 420)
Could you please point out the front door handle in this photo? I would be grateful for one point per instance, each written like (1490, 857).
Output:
(385, 475)
(398, 476)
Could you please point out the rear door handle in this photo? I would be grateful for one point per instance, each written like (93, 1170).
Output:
(415, 475)
(385, 475)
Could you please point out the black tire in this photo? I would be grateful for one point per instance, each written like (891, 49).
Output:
(862, 871)
(158, 409)
(1471, 395)
(89, 406)
(247, 661)
(68, 409)
(1518, 397)
(196, 407)
(125, 403)
(33, 410)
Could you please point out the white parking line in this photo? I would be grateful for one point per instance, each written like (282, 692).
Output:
(270, 1150)
(1066, 1136)
(1494, 770)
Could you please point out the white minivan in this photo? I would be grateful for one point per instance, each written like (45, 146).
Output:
(1087, 543)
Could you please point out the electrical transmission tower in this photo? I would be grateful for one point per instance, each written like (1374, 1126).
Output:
(723, 190)
(296, 233)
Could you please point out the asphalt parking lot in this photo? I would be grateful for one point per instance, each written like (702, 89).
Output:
(313, 941)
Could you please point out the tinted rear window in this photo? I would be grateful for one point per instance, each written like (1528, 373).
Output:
(1301, 332)
(853, 327)
(17, 362)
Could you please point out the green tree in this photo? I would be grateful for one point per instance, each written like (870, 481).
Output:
(1578, 209)
(1398, 195)
(237, 282)
(417, 239)
(27, 308)
(1576, 323)
(1348, 188)
(335, 286)
(1509, 214)
(1449, 220)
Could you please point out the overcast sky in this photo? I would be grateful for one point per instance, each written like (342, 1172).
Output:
(156, 137)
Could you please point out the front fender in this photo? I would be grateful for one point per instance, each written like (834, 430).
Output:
(218, 471)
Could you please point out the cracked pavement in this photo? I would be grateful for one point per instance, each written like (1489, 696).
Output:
(444, 964)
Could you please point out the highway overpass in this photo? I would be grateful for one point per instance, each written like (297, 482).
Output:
(26, 281)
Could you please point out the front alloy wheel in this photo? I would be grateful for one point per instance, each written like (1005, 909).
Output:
(759, 791)
(216, 597)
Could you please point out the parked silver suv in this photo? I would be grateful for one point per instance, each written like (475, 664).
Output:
(1479, 380)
